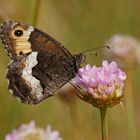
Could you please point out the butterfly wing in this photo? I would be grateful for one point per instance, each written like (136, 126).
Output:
(19, 38)
(42, 42)
(40, 66)
(36, 76)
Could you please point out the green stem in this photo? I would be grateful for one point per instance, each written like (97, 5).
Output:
(104, 123)
(16, 114)
(36, 12)
(129, 105)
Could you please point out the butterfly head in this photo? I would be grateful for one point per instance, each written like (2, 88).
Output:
(15, 37)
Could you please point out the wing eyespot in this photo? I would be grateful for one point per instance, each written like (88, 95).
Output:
(18, 33)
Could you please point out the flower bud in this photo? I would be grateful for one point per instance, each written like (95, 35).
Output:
(124, 49)
(31, 132)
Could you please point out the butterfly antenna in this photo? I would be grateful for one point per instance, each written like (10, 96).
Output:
(93, 50)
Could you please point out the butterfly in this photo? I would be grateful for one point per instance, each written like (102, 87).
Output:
(39, 66)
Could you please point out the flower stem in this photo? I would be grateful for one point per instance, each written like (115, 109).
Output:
(104, 123)
(130, 108)
(36, 12)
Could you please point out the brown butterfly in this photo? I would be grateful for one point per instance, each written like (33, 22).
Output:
(40, 65)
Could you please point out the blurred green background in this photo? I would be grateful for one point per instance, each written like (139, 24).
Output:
(79, 25)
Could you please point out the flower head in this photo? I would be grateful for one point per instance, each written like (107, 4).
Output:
(124, 49)
(31, 132)
(102, 86)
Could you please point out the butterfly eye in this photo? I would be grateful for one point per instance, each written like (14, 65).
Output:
(18, 33)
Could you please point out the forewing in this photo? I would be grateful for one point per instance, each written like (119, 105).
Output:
(19, 38)
(42, 42)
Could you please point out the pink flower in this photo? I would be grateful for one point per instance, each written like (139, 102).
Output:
(124, 49)
(102, 86)
(31, 132)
